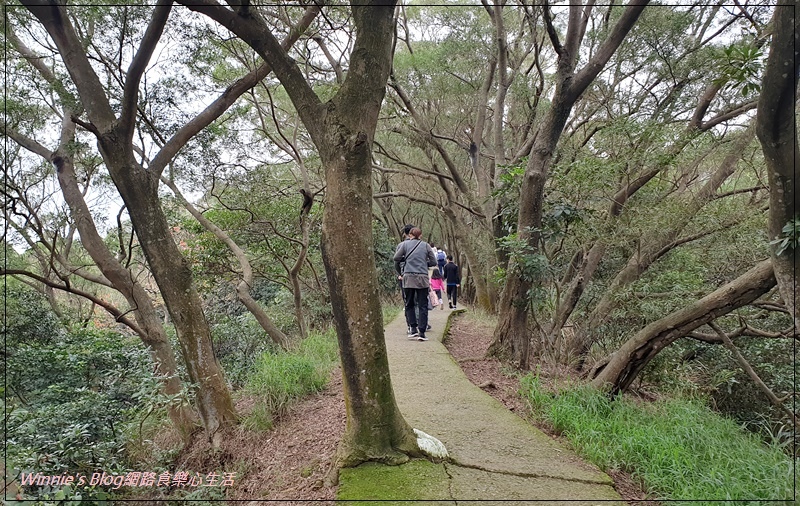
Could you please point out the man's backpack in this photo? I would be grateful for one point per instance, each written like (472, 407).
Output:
(440, 256)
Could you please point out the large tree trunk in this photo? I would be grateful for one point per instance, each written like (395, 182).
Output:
(343, 130)
(375, 428)
(617, 372)
(778, 136)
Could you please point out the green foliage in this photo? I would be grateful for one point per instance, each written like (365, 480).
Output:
(390, 312)
(73, 396)
(789, 238)
(283, 377)
(742, 65)
(680, 449)
(238, 341)
(530, 264)
(26, 317)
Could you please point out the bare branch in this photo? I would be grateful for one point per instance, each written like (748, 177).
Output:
(27, 143)
(708, 125)
(551, 30)
(254, 30)
(586, 75)
(56, 21)
(225, 100)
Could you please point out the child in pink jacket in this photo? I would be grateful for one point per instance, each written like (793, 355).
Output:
(437, 285)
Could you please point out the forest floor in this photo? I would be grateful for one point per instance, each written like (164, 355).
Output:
(290, 462)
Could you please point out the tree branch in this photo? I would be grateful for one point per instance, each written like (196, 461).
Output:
(386, 195)
(708, 125)
(586, 75)
(752, 373)
(256, 33)
(130, 96)
(232, 93)
(26, 142)
(93, 97)
(551, 30)
(118, 315)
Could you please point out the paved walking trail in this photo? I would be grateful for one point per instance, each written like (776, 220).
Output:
(495, 456)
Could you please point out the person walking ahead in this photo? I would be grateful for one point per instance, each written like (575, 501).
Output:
(453, 281)
(417, 256)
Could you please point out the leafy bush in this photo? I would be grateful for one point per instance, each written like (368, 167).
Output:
(680, 449)
(71, 400)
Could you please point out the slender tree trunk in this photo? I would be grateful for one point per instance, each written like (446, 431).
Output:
(656, 245)
(776, 130)
(245, 284)
(618, 371)
(294, 276)
(576, 287)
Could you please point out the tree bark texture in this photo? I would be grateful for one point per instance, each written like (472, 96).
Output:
(173, 275)
(618, 371)
(375, 428)
(778, 136)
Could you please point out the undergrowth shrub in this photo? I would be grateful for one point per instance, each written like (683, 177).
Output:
(280, 378)
(680, 449)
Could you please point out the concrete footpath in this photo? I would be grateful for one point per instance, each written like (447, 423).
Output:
(495, 456)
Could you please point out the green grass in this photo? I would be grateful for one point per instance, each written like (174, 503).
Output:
(680, 449)
(281, 378)
(390, 312)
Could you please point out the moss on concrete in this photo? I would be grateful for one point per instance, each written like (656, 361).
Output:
(417, 479)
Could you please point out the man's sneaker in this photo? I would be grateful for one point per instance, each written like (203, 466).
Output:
(450, 305)
(413, 333)
(422, 337)
(428, 327)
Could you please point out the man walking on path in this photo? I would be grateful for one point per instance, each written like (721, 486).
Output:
(399, 268)
(453, 281)
(412, 259)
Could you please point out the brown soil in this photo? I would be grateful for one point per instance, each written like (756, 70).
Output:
(284, 465)
(468, 341)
